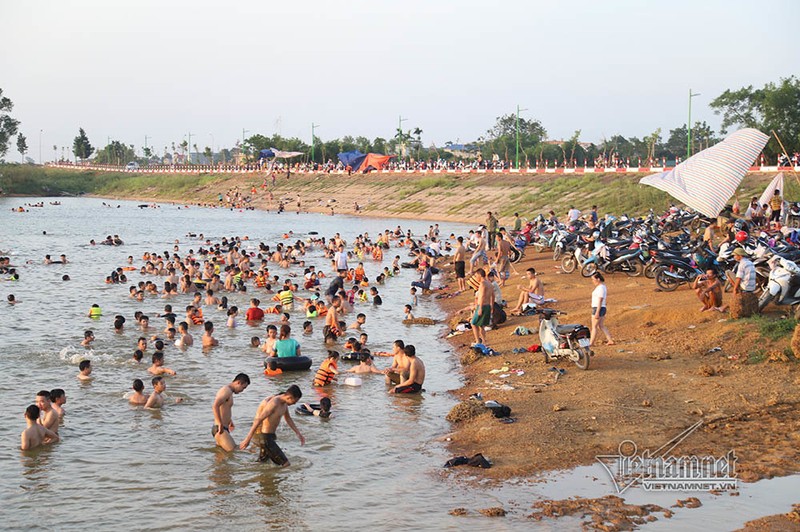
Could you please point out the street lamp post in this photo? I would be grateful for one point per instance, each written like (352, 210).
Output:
(689, 125)
(40, 146)
(212, 148)
(244, 133)
(518, 111)
(313, 127)
(189, 147)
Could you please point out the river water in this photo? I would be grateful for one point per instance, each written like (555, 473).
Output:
(374, 464)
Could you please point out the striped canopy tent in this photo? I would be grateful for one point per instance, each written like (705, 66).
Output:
(707, 180)
(775, 184)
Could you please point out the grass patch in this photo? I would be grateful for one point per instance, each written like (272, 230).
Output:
(756, 357)
(772, 329)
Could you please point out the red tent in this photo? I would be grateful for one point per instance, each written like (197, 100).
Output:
(376, 161)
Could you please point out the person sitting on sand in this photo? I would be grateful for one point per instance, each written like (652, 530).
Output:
(709, 290)
(533, 294)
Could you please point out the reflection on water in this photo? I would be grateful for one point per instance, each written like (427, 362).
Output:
(374, 464)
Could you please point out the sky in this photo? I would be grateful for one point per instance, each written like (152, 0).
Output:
(125, 70)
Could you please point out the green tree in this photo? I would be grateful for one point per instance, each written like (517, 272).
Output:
(115, 153)
(702, 137)
(22, 146)
(502, 137)
(81, 147)
(775, 107)
(8, 125)
(379, 145)
(209, 155)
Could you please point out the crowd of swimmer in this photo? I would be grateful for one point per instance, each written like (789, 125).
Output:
(225, 267)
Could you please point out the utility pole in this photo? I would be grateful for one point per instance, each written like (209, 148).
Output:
(40, 146)
(189, 147)
(212, 148)
(241, 150)
(145, 142)
(689, 125)
(518, 111)
(313, 127)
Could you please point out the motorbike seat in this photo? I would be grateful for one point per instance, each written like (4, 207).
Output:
(567, 329)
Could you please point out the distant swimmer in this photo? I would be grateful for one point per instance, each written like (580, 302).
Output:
(35, 434)
(186, 339)
(58, 399)
(88, 338)
(156, 399)
(222, 409)
(321, 409)
(50, 417)
(137, 397)
(366, 366)
(208, 335)
(158, 367)
(85, 370)
(268, 417)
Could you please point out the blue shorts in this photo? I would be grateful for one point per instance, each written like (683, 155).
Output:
(602, 311)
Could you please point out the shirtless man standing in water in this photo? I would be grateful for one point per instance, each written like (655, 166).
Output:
(416, 373)
(223, 404)
(268, 417)
(35, 434)
(50, 417)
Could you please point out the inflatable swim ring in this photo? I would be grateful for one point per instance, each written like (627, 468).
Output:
(290, 363)
(354, 356)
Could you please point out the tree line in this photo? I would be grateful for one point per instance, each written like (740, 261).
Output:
(775, 107)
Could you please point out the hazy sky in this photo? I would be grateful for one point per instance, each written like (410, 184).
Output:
(166, 68)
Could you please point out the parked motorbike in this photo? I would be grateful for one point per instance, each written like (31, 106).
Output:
(563, 341)
(629, 261)
(783, 287)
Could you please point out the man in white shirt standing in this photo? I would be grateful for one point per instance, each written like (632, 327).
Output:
(573, 214)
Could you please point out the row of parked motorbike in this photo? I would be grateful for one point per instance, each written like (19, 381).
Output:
(669, 249)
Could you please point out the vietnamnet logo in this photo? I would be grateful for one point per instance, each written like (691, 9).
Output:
(660, 471)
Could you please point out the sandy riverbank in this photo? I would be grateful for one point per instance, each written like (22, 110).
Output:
(665, 373)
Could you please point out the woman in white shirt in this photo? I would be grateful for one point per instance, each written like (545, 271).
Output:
(599, 295)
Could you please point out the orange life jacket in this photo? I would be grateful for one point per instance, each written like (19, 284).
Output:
(324, 374)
